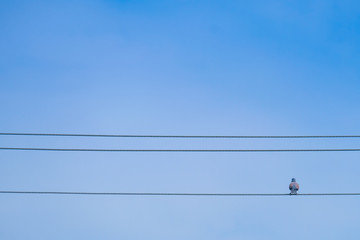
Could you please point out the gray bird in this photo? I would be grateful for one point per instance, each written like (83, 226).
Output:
(293, 187)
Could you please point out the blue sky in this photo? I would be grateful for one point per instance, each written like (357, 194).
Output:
(187, 68)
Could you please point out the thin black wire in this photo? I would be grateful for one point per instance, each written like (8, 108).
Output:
(180, 194)
(168, 136)
(177, 150)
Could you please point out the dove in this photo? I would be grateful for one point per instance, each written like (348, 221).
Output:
(293, 187)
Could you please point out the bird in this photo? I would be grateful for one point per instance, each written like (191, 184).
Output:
(293, 187)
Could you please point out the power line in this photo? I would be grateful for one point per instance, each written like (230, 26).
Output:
(169, 136)
(180, 194)
(177, 150)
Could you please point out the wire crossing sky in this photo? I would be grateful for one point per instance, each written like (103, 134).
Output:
(178, 150)
(180, 194)
(167, 136)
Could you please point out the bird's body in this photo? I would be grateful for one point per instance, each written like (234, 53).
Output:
(293, 187)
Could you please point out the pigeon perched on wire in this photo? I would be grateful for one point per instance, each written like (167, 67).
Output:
(293, 187)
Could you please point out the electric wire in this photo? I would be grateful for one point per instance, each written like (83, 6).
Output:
(178, 194)
(178, 150)
(168, 136)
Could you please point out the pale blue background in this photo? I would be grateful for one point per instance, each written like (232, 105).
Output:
(179, 67)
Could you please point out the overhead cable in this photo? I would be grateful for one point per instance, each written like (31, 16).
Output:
(179, 194)
(177, 150)
(169, 136)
